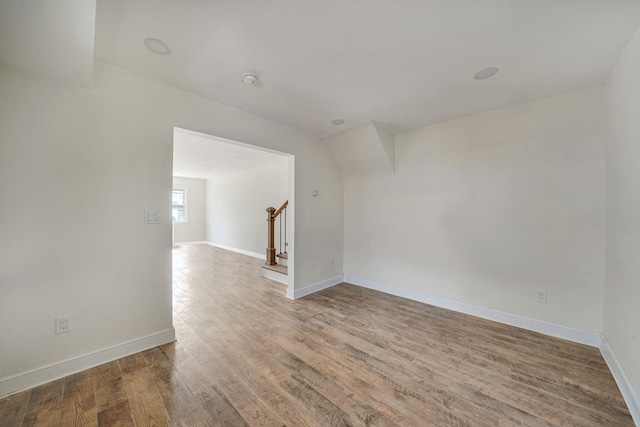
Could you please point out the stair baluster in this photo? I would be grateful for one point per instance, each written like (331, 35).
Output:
(272, 214)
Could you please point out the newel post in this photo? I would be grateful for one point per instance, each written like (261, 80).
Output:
(271, 250)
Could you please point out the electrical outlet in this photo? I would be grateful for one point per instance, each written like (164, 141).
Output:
(541, 297)
(330, 262)
(63, 324)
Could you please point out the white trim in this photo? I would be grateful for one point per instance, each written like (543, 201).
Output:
(559, 331)
(195, 242)
(228, 248)
(628, 391)
(183, 131)
(316, 287)
(291, 226)
(275, 275)
(593, 339)
(240, 251)
(44, 374)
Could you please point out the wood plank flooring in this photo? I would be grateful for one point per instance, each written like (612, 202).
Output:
(247, 356)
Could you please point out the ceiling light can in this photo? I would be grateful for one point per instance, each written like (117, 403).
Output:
(157, 46)
(337, 122)
(486, 73)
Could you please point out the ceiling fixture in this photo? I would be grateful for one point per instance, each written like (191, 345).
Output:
(337, 122)
(486, 73)
(250, 79)
(157, 46)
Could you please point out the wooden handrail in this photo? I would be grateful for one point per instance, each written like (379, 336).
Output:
(272, 214)
(284, 205)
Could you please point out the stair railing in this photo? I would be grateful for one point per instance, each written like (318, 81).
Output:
(272, 214)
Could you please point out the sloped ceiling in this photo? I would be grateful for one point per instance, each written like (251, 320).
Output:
(54, 38)
(400, 63)
(364, 149)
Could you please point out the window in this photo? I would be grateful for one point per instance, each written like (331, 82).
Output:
(179, 206)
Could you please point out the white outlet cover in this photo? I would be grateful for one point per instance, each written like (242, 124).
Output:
(63, 324)
(541, 297)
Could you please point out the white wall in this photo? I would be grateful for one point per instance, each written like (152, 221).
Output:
(77, 169)
(489, 208)
(622, 287)
(194, 229)
(237, 202)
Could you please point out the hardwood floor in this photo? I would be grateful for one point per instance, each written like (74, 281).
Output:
(247, 356)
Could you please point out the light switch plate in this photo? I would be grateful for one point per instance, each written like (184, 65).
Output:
(152, 216)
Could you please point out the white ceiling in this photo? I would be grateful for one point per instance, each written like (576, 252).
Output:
(196, 155)
(402, 63)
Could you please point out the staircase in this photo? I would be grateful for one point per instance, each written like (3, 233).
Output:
(275, 267)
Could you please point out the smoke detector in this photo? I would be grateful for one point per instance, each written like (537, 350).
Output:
(249, 78)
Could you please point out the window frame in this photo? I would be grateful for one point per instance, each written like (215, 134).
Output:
(185, 190)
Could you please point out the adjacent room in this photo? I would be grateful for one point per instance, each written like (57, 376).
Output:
(221, 192)
(462, 191)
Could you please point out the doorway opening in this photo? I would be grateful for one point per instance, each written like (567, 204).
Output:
(221, 192)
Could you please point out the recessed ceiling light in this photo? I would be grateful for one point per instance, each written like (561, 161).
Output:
(486, 73)
(236, 154)
(157, 46)
(337, 122)
(250, 79)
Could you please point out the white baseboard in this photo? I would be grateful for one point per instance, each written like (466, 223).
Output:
(35, 377)
(593, 339)
(629, 393)
(199, 242)
(581, 336)
(310, 289)
(240, 251)
(559, 331)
